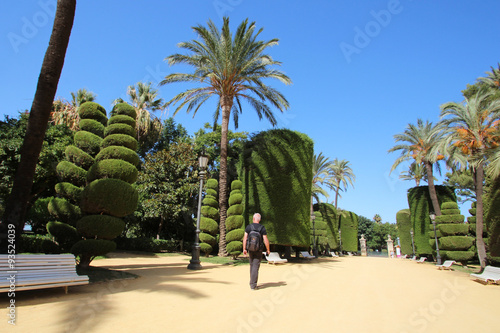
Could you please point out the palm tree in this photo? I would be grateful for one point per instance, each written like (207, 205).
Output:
(144, 99)
(66, 113)
(320, 172)
(39, 117)
(233, 69)
(341, 175)
(82, 96)
(493, 78)
(415, 172)
(421, 143)
(473, 138)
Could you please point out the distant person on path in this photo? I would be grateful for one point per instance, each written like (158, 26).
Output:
(255, 237)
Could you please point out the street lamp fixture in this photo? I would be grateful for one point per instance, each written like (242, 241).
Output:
(315, 249)
(412, 242)
(433, 219)
(194, 263)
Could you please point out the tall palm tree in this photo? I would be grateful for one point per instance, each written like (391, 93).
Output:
(421, 143)
(493, 78)
(233, 70)
(320, 172)
(341, 175)
(473, 139)
(38, 120)
(415, 172)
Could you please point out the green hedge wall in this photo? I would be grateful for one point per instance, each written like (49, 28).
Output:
(320, 232)
(492, 219)
(403, 222)
(276, 170)
(210, 215)
(349, 227)
(420, 205)
(331, 218)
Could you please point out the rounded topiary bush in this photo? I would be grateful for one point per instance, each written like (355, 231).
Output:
(104, 226)
(88, 142)
(112, 168)
(122, 119)
(124, 109)
(455, 218)
(68, 172)
(210, 212)
(64, 210)
(207, 238)
(208, 225)
(450, 211)
(91, 110)
(449, 205)
(236, 185)
(211, 192)
(69, 191)
(118, 152)
(110, 196)
(92, 126)
(78, 157)
(210, 201)
(234, 222)
(453, 229)
(457, 243)
(234, 248)
(120, 129)
(65, 234)
(120, 140)
(206, 248)
(236, 209)
(235, 198)
(460, 256)
(235, 235)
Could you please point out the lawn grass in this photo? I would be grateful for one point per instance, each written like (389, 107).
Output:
(225, 260)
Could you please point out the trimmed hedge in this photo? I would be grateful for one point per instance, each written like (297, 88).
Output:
(235, 228)
(207, 238)
(109, 196)
(120, 140)
(234, 248)
(78, 157)
(234, 222)
(65, 234)
(492, 219)
(276, 170)
(235, 235)
(69, 191)
(113, 168)
(91, 110)
(460, 256)
(209, 225)
(318, 229)
(453, 229)
(210, 201)
(331, 218)
(36, 244)
(208, 221)
(455, 218)
(102, 226)
(146, 244)
(120, 129)
(124, 109)
(68, 172)
(349, 226)
(92, 126)
(235, 198)
(458, 243)
(403, 222)
(118, 152)
(64, 211)
(122, 119)
(88, 142)
(235, 210)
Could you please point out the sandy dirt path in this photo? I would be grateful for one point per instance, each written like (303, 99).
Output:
(349, 294)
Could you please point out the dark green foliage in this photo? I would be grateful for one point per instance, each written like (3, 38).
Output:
(234, 248)
(455, 218)
(210, 201)
(331, 218)
(206, 248)
(91, 110)
(109, 196)
(210, 215)
(235, 235)
(68, 172)
(39, 215)
(122, 119)
(146, 244)
(113, 168)
(449, 205)
(207, 238)
(403, 222)
(459, 256)
(450, 211)
(235, 198)
(235, 210)
(276, 170)
(120, 129)
(210, 212)
(420, 206)
(472, 211)
(318, 232)
(64, 211)
(101, 226)
(349, 226)
(36, 244)
(78, 157)
(431, 235)
(92, 248)
(118, 152)
(124, 109)
(472, 220)
(236, 185)
(458, 243)
(120, 140)
(453, 229)
(234, 222)
(235, 227)
(92, 126)
(88, 142)
(64, 234)
(69, 191)
(492, 219)
(209, 225)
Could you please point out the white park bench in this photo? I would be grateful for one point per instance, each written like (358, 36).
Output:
(490, 273)
(38, 271)
(274, 258)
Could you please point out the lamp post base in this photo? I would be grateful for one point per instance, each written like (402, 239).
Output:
(194, 263)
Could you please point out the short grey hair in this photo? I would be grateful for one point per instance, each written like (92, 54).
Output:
(257, 216)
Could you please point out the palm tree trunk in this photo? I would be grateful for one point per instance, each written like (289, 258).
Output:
(481, 248)
(336, 196)
(432, 189)
(39, 116)
(226, 105)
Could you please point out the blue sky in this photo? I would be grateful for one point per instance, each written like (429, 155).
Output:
(361, 70)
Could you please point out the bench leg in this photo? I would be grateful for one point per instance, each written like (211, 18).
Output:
(66, 290)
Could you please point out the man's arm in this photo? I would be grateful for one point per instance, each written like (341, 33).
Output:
(245, 243)
(266, 242)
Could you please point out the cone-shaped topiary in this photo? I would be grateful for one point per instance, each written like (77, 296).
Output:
(235, 220)
(210, 215)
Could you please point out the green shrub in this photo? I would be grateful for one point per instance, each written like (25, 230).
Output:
(234, 248)
(69, 191)
(101, 226)
(210, 201)
(234, 222)
(330, 217)
(213, 184)
(120, 140)
(459, 256)
(124, 109)
(235, 235)
(403, 223)
(235, 210)
(457, 243)
(109, 196)
(472, 220)
(64, 211)
(122, 119)
(235, 199)
(68, 172)
(91, 110)
(117, 169)
(449, 205)
(450, 211)
(455, 218)
(349, 227)
(38, 215)
(211, 192)
(207, 238)
(92, 126)
(78, 157)
(206, 248)
(492, 219)
(210, 212)
(236, 185)
(92, 248)
(36, 244)
(65, 234)
(146, 244)
(118, 152)
(472, 211)
(453, 229)
(209, 225)
(120, 129)
(88, 142)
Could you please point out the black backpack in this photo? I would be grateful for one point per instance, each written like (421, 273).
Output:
(254, 239)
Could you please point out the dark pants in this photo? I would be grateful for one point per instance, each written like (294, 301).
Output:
(255, 258)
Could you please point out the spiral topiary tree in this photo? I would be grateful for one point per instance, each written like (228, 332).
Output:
(109, 195)
(72, 172)
(209, 218)
(235, 220)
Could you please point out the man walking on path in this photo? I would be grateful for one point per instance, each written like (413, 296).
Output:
(255, 256)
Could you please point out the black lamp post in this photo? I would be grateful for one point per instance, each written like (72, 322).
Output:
(433, 219)
(194, 263)
(315, 250)
(412, 242)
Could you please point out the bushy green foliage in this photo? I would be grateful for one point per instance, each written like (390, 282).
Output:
(146, 244)
(209, 200)
(449, 205)
(450, 211)
(235, 235)
(102, 226)
(120, 140)
(459, 256)
(236, 209)
(36, 244)
(38, 215)
(69, 191)
(92, 248)
(234, 222)
(113, 168)
(210, 215)
(235, 228)
(120, 129)
(91, 110)
(109, 196)
(318, 232)
(453, 229)
(92, 126)
(403, 222)
(206, 248)
(68, 172)
(207, 238)
(349, 227)
(64, 211)
(124, 109)
(78, 157)
(118, 152)
(458, 243)
(235, 199)
(122, 119)
(331, 218)
(492, 219)
(276, 171)
(211, 212)
(236, 185)
(88, 142)
(234, 248)
(65, 234)
(455, 218)
(420, 206)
